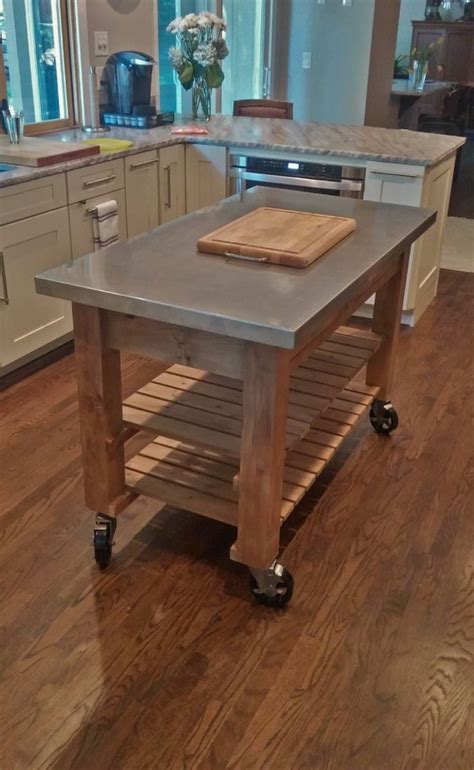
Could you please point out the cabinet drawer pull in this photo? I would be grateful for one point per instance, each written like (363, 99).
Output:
(5, 298)
(92, 182)
(395, 173)
(144, 163)
(168, 184)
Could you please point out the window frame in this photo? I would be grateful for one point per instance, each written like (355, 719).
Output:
(47, 126)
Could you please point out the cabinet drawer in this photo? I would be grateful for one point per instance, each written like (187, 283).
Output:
(27, 199)
(95, 180)
(80, 220)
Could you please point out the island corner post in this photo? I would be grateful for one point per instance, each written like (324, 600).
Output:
(266, 373)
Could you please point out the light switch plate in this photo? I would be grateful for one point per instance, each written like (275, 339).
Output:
(101, 43)
(347, 3)
(306, 60)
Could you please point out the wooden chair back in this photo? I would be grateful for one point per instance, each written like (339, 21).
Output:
(263, 108)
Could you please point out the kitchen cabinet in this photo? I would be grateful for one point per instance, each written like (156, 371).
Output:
(29, 198)
(97, 179)
(416, 186)
(30, 321)
(454, 52)
(206, 176)
(142, 194)
(172, 182)
(80, 217)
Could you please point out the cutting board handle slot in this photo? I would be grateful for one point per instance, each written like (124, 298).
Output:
(231, 255)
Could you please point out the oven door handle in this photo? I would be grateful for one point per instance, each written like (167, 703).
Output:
(346, 185)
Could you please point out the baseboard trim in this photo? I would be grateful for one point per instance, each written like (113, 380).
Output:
(33, 362)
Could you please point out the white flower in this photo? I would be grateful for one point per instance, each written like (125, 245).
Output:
(205, 55)
(220, 47)
(176, 58)
(174, 25)
(190, 21)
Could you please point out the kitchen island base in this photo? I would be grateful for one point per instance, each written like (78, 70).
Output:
(241, 443)
(261, 375)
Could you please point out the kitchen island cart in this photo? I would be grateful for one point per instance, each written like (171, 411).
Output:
(259, 382)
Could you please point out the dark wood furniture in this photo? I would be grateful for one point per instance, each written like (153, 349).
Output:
(263, 108)
(454, 51)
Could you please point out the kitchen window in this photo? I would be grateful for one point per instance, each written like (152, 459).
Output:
(34, 59)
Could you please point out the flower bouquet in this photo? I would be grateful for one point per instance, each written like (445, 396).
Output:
(197, 55)
(420, 59)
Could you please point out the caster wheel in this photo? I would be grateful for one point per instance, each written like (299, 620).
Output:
(272, 587)
(383, 417)
(103, 539)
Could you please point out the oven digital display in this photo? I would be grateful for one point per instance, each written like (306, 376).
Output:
(293, 166)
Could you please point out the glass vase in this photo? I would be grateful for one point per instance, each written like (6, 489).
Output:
(417, 76)
(201, 99)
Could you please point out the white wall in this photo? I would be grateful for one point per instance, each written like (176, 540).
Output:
(409, 10)
(339, 38)
(131, 28)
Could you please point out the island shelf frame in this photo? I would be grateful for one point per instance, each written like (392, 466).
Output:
(248, 458)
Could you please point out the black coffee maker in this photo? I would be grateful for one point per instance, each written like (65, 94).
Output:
(127, 76)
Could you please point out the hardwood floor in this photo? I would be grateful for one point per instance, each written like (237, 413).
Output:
(165, 661)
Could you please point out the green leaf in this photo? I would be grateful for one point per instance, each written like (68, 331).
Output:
(215, 76)
(186, 76)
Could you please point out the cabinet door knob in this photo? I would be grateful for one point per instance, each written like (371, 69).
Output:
(5, 299)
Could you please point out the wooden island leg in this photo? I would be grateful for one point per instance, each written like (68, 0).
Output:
(386, 323)
(265, 401)
(100, 412)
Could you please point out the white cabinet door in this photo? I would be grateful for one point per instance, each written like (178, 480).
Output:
(29, 320)
(402, 184)
(141, 189)
(80, 216)
(206, 176)
(172, 177)
(394, 183)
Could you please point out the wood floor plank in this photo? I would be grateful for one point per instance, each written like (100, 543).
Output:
(164, 660)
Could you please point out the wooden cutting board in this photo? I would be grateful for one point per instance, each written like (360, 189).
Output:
(278, 236)
(34, 151)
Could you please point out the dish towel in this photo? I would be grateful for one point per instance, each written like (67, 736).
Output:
(105, 225)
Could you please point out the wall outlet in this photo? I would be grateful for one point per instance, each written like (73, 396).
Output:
(101, 43)
(306, 60)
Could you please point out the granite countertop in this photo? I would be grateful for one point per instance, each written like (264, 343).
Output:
(162, 276)
(288, 136)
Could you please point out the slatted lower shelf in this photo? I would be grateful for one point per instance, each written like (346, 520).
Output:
(204, 409)
(204, 481)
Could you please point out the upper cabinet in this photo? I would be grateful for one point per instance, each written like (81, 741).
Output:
(206, 175)
(454, 54)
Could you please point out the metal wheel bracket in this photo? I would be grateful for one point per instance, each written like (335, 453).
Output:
(105, 525)
(268, 579)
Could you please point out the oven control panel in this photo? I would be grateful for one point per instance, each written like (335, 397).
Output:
(294, 168)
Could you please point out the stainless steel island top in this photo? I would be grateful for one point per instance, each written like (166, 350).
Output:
(162, 276)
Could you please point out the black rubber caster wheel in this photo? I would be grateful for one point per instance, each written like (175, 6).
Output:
(383, 417)
(104, 531)
(272, 587)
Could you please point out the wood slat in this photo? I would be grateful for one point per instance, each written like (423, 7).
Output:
(204, 409)
(207, 482)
